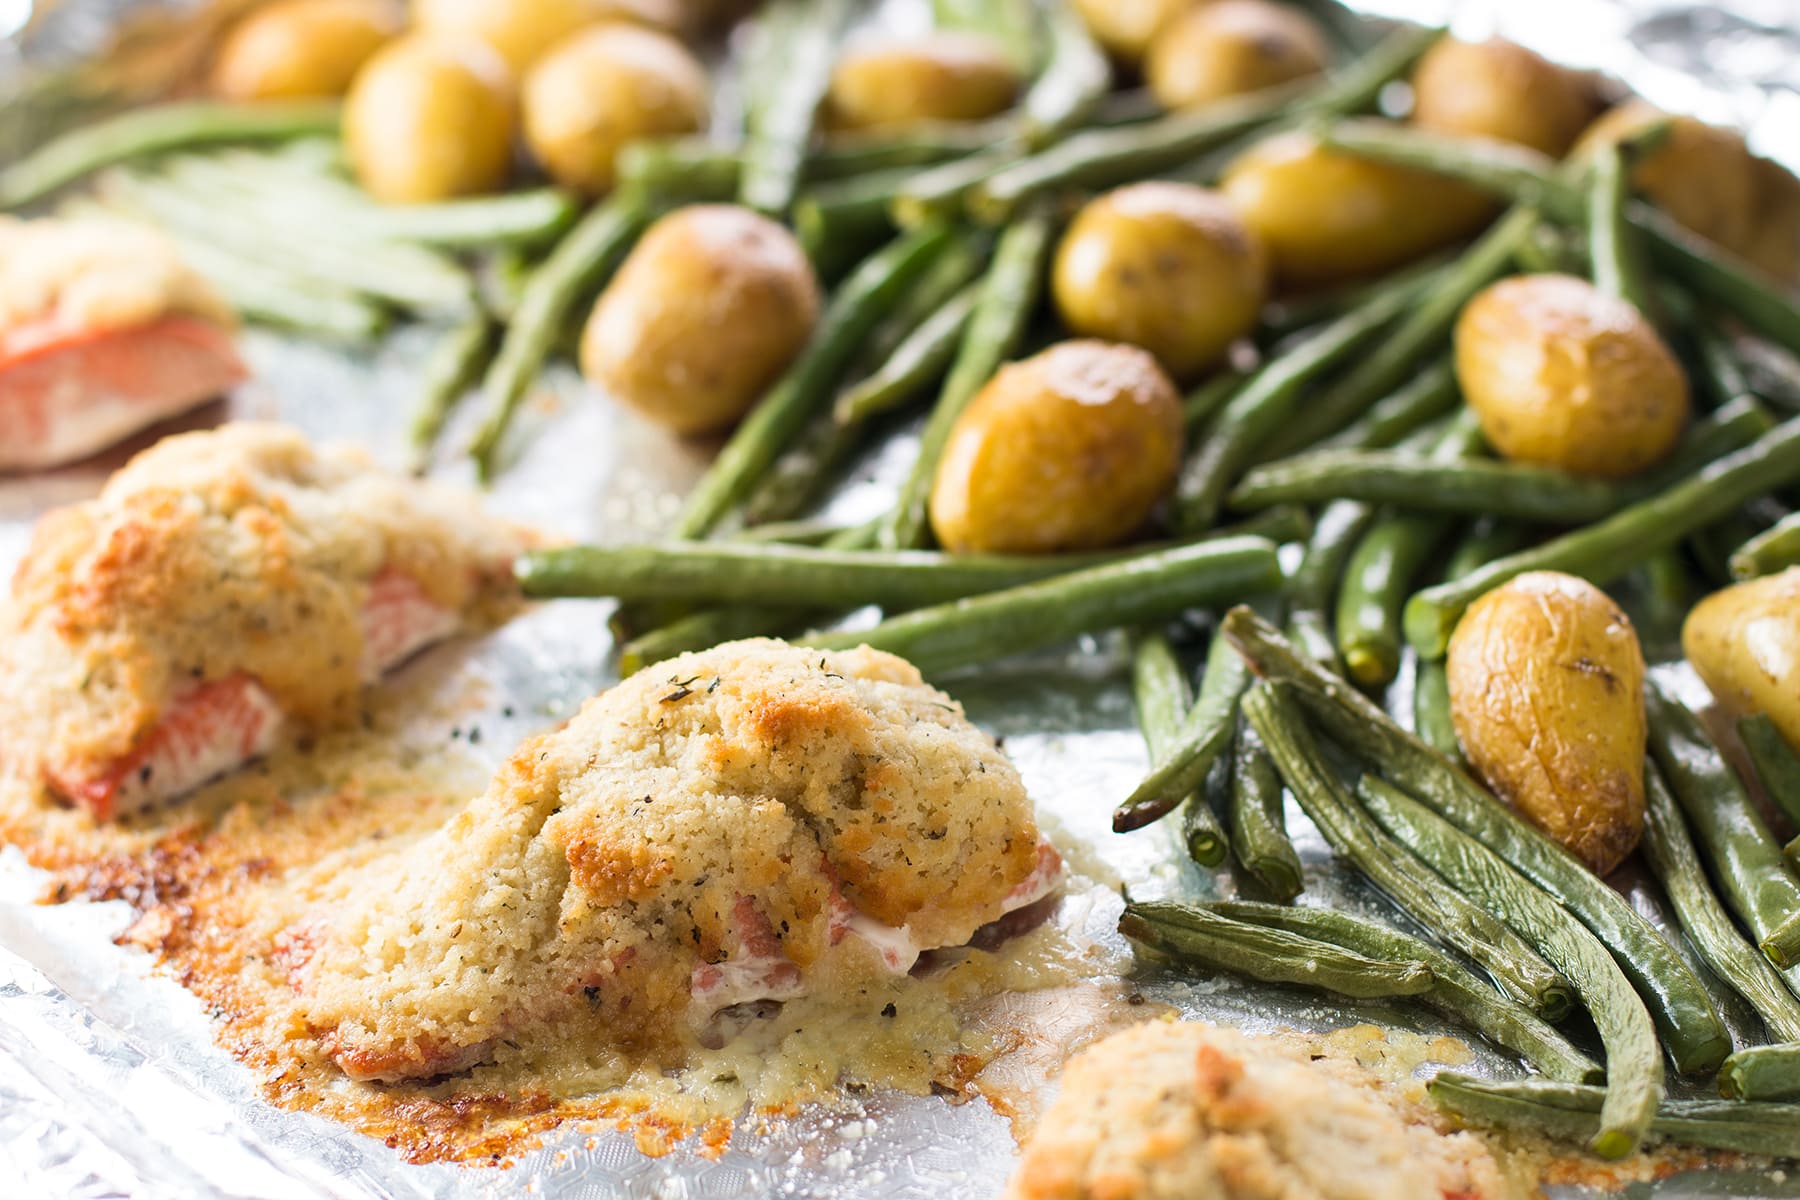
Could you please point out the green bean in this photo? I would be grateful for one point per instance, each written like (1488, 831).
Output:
(1259, 835)
(711, 626)
(782, 413)
(450, 371)
(1669, 850)
(1198, 936)
(803, 36)
(156, 130)
(584, 257)
(1432, 719)
(1774, 549)
(1271, 398)
(311, 191)
(1607, 549)
(846, 155)
(1744, 855)
(1777, 766)
(1548, 250)
(1074, 77)
(813, 532)
(1425, 330)
(1100, 158)
(407, 276)
(1691, 1030)
(680, 169)
(915, 363)
(1430, 394)
(1208, 397)
(1130, 106)
(714, 572)
(939, 194)
(1009, 297)
(1520, 491)
(804, 470)
(1456, 991)
(1762, 1073)
(1131, 591)
(960, 264)
(1517, 969)
(1619, 269)
(1290, 315)
(1667, 595)
(1204, 734)
(1160, 688)
(1379, 573)
(1633, 1064)
(1103, 157)
(270, 295)
(1721, 371)
(1531, 178)
(1570, 1111)
(848, 212)
(1314, 585)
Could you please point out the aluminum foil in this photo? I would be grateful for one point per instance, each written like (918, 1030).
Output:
(110, 1083)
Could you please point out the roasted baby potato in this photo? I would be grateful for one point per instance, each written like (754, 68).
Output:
(707, 311)
(602, 89)
(1232, 47)
(1707, 178)
(522, 31)
(1564, 375)
(1547, 693)
(1070, 449)
(1166, 266)
(1326, 216)
(430, 119)
(1127, 27)
(1499, 89)
(940, 77)
(1745, 643)
(295, 49)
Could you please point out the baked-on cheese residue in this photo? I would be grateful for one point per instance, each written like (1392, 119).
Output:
(91, 274)
(222, 585)
(738, 827)
(1176, 1110)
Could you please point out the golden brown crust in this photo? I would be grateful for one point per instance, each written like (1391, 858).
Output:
(89, 275)
(1173, 1111)
(242, 550)
(705, 810)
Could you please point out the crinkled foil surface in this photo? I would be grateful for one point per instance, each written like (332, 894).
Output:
(110, 1084)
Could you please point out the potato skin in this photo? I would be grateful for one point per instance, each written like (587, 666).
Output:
(523, 31)
(1499, 89)
(1067, 450)
(1232, 47)
(707, 311)
(297, 49)
(1326, 216)
(1166, 266)
(939, 77)
(602, 89)
(1127, 27)
(429, 119)
(1547, 694)
(1745, 643)
(1563, 375)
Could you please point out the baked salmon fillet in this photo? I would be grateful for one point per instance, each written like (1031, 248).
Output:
(735, 828)
(103, 332)
(1182, 1110)
(227, 589)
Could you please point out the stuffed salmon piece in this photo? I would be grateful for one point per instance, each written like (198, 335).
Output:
(730, 831)
(103, 332)
(227, 589)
